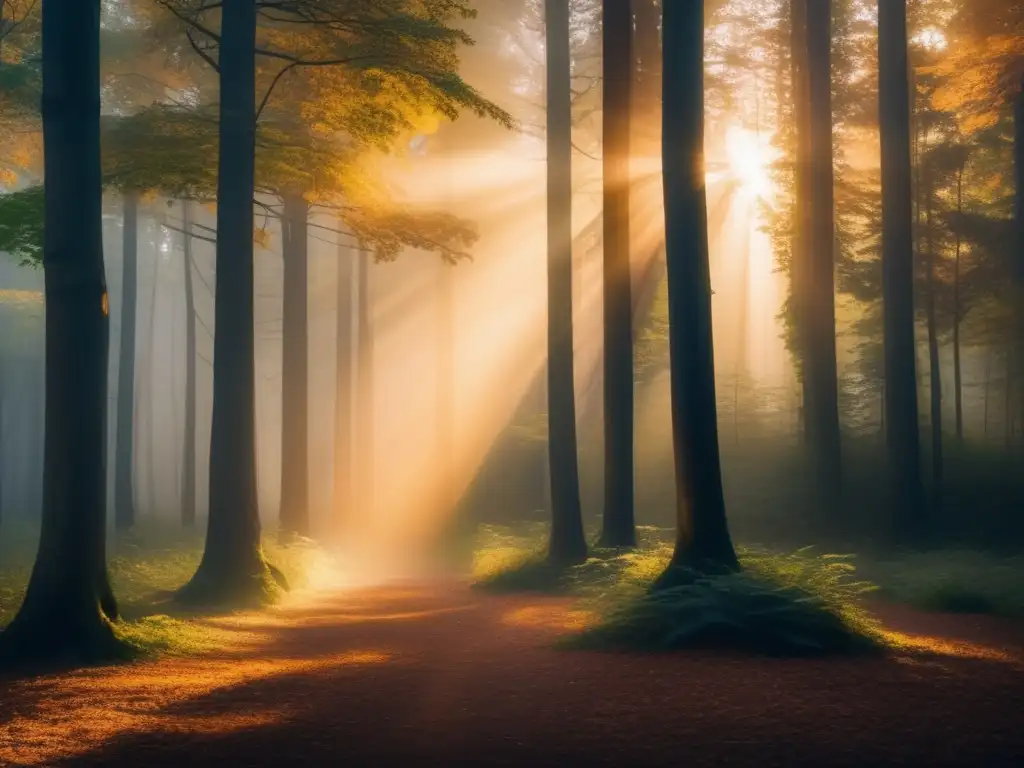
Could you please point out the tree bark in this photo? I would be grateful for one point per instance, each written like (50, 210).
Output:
(295, 370)
(821, 380)
(188, 473)
(1017, 357)
(124, 456)
(958, 389)
(617, 36)
(902, 437)
(233, 570)
(567, 543)
(934, 363)
(703, 542)
(343, 412)
(69, 605)
(365, 402)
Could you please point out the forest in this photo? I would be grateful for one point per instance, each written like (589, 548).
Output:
(511, 382)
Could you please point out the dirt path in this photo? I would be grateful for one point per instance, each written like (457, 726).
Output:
(439, 676)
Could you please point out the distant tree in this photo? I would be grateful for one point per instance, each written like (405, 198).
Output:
(188, 456)
(703, 542)
(124, 456)
(567, 544)
(617, 37)
(901, 419)
(69, 605)
(344, 367)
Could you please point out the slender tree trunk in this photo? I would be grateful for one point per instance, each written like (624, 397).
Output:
(445, 388)
(295, 370)
(124, 491)
(343, 369)
(800, 268)
(1017, 357)
(188, 454)
(567, 544)
(151, 364)
(703, 541)
(365, 402)
(934, 363)
(958, 389)
(988, 389)
(902, 435)
(617, 35)
(1008, 414)
(820, 372)
(68, 605)
(233, 569)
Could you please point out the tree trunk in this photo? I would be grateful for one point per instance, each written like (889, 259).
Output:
(703, 542)
(151, 362)
(188, 453)
(567, 544)
(934, 364)
(295, 370)
(617, 36)
(902, 435)
(68, 605)
(445, 392)
(1017, 356)
(365, 401)
(820, 367)
(343, 412)
(124, 491)
(958, 389)
(233, 570)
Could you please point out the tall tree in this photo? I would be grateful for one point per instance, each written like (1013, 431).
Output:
(445, 413)
(295, 369)
(69, 605)
(343, 380)
(901, 419)
(188, 453)
(365, 402)
(233, 568)
(820, 375)
(124, 454)
(703, 542)
(567, 543)
(617, 37)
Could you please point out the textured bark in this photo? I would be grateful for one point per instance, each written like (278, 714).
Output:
(343, 370)
(188, 451)
(703, 541)
(124, 454)
(295, 370)
(617, 36)
(233, 570)
(68, 605)
(902, 437)
(567, 543)
(821, 381)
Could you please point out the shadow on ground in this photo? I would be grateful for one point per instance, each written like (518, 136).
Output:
(439, 675)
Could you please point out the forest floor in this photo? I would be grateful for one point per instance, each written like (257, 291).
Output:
(438, 674)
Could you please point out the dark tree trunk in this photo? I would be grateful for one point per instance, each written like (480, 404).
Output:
(1017, 369)
(124, 455)
(295, 370)
(188, 452)
(233, 570)
(343, 412)
(617, 35)
(68, 605)
(445, 414)
(902, 436)
(567, 544)
(820, 369)
(365, 401)
(958, 389)
(934, 364)
(703, 542)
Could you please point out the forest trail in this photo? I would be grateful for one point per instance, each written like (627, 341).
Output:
(438, 675)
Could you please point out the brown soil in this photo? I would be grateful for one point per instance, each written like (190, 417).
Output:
(439, 676)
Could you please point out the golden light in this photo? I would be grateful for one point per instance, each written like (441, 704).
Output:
(749, 156)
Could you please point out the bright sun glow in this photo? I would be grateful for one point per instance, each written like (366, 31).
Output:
(749, 158)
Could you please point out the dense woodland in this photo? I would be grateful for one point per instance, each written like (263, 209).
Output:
(278, 269)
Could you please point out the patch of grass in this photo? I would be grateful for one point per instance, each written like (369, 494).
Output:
(166, 636)
(954, 581)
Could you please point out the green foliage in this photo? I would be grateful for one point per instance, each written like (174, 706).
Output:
(21, 225)
(954, 581)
